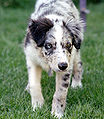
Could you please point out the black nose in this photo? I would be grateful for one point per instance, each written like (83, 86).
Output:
(62, 66)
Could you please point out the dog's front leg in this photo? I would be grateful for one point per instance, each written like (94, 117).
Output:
(59, 98)
(34, 73)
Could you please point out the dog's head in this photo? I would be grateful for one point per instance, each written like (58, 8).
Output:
(56, 39)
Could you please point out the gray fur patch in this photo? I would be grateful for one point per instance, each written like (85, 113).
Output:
(50, 72)
(27, 39)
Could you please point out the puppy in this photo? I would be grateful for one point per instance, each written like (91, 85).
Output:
(52, 43)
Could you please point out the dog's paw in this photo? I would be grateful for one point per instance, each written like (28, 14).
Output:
(76, 84)
(37, 103)
(57, 114)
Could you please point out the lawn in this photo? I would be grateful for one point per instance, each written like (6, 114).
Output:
(15, 102)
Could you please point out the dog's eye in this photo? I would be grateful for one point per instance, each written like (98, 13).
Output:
(68, 45)
(48, 46)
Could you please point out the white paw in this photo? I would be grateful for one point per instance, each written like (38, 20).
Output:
(37, 103)
(57, 115)
(76, 84)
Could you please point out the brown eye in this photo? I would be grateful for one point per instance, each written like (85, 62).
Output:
(68, 45)
(48, 46)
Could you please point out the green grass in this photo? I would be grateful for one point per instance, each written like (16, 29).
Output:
(15, 103)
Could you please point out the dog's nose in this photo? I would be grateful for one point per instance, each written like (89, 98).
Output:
(62, 66)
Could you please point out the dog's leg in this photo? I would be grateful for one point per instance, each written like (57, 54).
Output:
(77, 71)
(59, 98)
(34, 73)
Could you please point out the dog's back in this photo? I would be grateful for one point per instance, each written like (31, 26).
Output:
(64, 9)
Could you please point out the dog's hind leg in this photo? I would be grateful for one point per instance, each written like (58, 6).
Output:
(34, 73)
(77, 71)
(59, 98)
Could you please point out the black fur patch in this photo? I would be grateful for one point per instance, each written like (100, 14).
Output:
(62, 105)
(65, 85)
(76, 42)
(66, 77)
(38, 30)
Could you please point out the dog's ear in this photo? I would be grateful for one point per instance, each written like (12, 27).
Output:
(38, 30)
(76, 29)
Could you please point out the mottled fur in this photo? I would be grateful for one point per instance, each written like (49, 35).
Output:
(53, 40)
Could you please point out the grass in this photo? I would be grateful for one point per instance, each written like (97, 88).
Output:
(15, 103)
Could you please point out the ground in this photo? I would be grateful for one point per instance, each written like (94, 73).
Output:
(15, 103)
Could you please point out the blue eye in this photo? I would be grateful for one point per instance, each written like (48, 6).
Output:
(48, 46)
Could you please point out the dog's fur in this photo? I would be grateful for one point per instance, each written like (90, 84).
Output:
(53, 40)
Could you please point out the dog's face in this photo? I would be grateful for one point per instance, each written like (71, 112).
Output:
(56, 41)
(57, 47)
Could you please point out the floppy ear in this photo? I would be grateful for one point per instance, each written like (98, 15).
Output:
(76, 28)
(38, 30)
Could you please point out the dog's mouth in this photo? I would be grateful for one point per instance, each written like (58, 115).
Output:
(50, 72)
(62, 70)
(58, 70)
